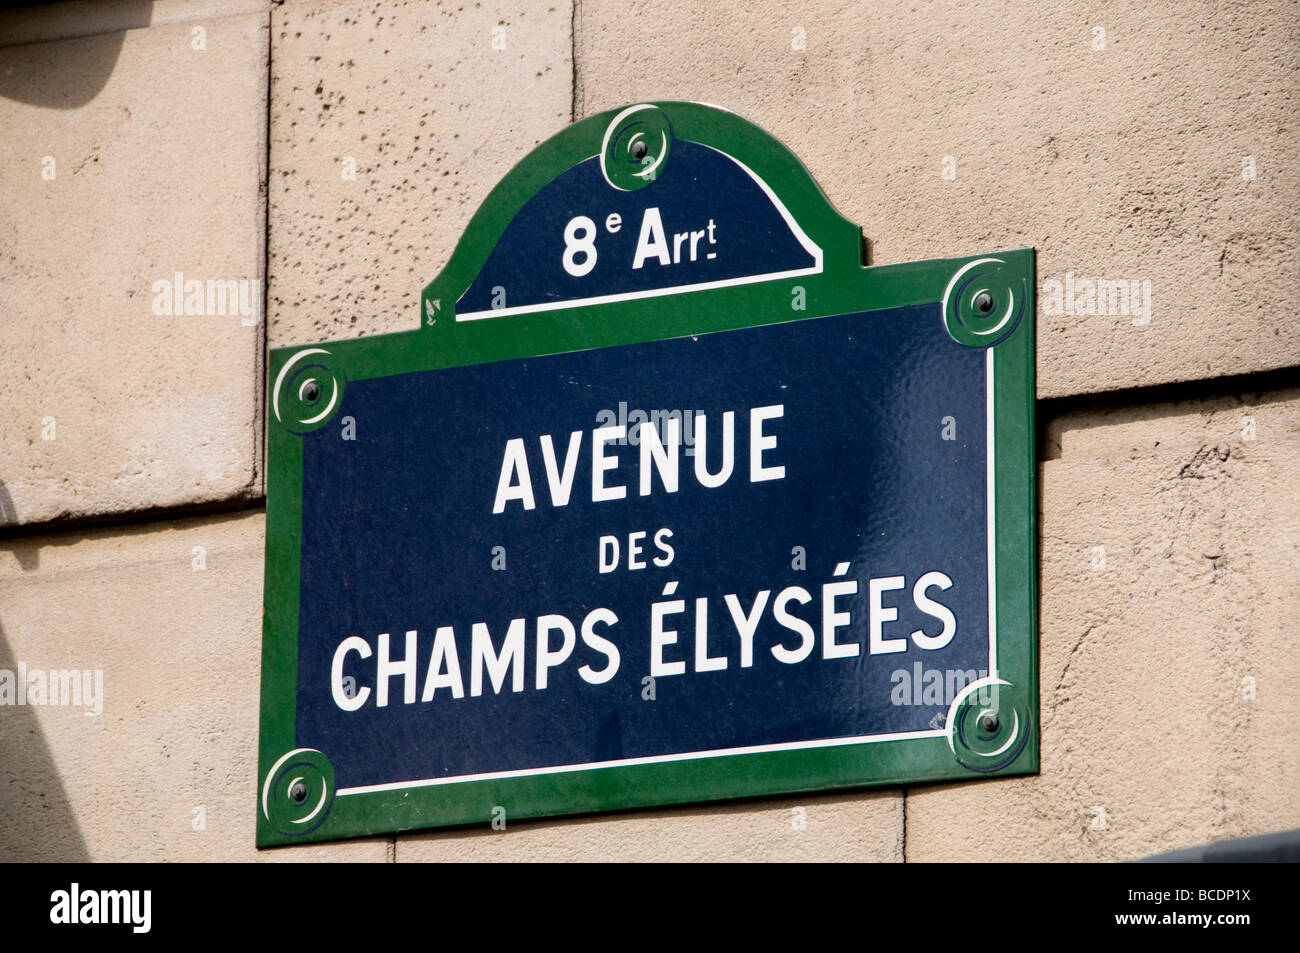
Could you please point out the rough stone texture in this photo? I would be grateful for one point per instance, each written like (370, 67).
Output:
(1122, 163)
(1151, 741)
(839, 827)
(432, 116)
(180, 651)
(147, 411)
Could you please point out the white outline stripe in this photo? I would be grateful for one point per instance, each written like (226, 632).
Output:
(990, 474)
(634, 295)
(628, 762)
(800, 235)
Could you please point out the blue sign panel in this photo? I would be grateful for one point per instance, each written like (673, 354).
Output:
(512, 557)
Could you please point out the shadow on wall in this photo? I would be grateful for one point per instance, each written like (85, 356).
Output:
(28, 556)
(66, 73)
(37, 821)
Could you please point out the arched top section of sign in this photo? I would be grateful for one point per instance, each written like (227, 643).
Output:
(649, 200)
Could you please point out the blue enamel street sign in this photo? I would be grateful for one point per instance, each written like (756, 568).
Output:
(668, 498)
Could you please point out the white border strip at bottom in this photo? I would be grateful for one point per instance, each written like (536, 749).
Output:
(656, 759)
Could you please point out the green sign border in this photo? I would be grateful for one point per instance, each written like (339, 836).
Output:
(296, 800)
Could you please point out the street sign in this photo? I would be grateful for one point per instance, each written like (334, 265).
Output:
(668, 498)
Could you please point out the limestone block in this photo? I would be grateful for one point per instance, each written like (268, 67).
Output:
(390, 123)
(157, 759)
(1126, 144)
(132, 163)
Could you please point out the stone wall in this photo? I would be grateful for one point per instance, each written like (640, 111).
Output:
(320, 159)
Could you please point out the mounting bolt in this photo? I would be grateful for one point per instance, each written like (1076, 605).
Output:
(298, 792)
(984, 302)
(989, 721)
